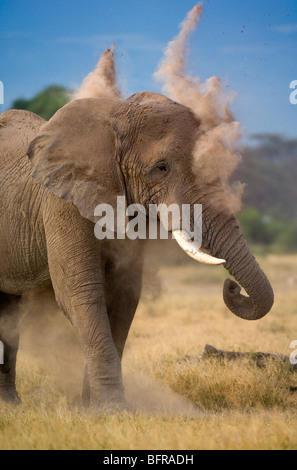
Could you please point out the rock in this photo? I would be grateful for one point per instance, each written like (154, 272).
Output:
(260, 358)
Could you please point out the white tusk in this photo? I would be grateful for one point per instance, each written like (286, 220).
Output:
(192, 249)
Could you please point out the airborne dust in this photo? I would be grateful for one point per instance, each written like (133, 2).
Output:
(101, 82)
(216, 153)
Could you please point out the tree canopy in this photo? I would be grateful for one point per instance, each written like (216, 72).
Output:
(45, 103)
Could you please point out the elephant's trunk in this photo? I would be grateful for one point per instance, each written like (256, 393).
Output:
(222, 237)
(228, 243)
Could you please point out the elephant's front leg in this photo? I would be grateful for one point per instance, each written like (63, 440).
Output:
(77, 273)
(103, 367)
(123, 282)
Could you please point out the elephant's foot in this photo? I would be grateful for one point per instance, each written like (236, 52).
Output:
(10, 396)
(114, 403)
(108, 408)
(108, 405)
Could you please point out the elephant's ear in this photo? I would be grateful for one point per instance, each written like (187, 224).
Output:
(76, 156)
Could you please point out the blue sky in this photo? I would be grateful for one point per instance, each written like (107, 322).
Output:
(251, 45)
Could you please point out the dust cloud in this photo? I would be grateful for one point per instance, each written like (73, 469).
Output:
(216, 151)
(48, 337)
(101, 82)
(148, 395)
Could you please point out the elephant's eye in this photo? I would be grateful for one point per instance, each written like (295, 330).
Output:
(159, 171)
(163, 167)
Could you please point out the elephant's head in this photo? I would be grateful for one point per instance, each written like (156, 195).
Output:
(95, 149)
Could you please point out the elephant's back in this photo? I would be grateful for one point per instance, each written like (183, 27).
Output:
(17, 129)
(23, 256)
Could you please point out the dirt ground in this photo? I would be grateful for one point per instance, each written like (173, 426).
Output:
(177, 404)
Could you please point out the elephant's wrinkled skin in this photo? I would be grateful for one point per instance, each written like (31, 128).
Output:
(52, 177)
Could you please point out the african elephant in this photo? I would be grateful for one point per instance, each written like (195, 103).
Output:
(53, 174)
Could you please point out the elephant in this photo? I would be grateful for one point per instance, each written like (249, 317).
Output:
(53, 174)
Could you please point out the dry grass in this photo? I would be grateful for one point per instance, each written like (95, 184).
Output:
(179, 405)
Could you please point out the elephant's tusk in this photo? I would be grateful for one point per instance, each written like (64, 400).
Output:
(192, 249)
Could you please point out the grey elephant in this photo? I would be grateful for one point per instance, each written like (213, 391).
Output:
(53, 174)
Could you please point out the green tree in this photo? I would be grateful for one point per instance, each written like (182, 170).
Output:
(269, 170)
(254, 227)
(45, 103)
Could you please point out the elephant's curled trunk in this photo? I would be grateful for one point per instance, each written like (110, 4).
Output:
(242, 265)
(227, 246)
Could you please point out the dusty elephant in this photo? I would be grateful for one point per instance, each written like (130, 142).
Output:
(52, 177)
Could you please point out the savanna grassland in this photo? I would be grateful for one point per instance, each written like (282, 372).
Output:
(178, 404)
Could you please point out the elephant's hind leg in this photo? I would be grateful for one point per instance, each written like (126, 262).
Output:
(9, 337)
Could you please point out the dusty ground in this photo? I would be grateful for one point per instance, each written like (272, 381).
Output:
(179, 405)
